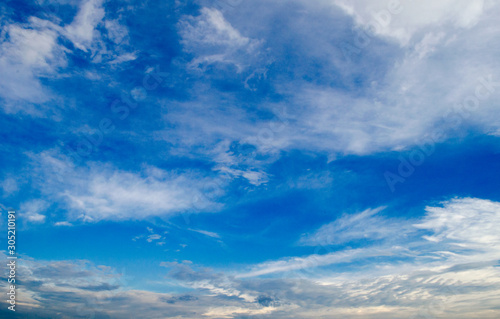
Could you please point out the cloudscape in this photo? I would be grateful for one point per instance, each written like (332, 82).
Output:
(250, 159)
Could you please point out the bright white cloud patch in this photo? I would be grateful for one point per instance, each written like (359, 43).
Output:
(34, 211)
(471, 223)
(101, 192)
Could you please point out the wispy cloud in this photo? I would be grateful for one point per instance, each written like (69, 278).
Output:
(367, 225)
(206, 233)
(312, 261)
(214, 40)
(461, 231)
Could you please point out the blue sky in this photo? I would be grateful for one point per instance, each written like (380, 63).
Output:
(252, 159)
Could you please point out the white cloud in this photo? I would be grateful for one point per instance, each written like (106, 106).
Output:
(97, 191)
(402, 19)
(206, 233)
(25, 56)
(471, 223)
(63, 224)
(33, 210)
(211, 28)
(82, 30)
(153, 237)
(86, 36)
(422, 92)
(121, 194)
(123, 58)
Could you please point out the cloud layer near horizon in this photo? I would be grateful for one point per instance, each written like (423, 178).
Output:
(457, 277)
